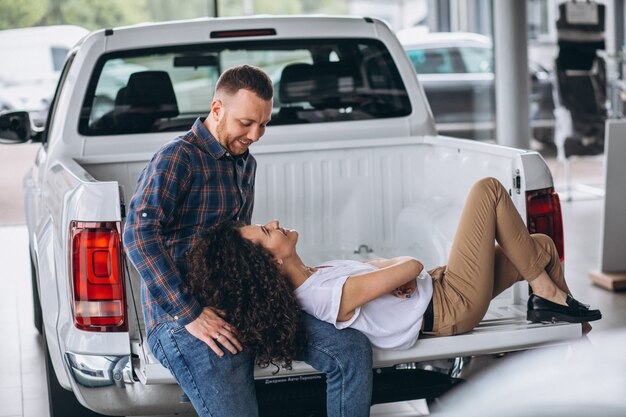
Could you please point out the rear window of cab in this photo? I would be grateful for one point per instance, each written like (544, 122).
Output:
(315, 81)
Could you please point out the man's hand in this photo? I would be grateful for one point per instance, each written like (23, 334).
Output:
(212, 329)
(407, 290)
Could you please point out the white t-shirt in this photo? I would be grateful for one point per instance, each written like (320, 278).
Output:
(389, 322)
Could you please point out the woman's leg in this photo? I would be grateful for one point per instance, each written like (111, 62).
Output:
(488, 216)
(505, 274)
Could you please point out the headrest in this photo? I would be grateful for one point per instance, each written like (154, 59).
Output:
(151, 92)
(335, 85)
(296, 83)
(121, 98)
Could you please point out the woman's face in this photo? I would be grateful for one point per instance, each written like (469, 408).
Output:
(281, 243)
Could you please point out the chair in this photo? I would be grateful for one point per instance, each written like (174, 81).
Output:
(335, 86)
(294, 92)
(148, 97)
(580, 102)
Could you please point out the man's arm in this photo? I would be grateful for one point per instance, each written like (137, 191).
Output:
(165, 178)
(152, 207)
(363, 288)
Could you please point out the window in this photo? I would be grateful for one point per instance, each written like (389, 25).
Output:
(433, 61)
(58, 57)
(315, 81)
(451, 60)
(55, 98)
(541, 18)
(477, 60)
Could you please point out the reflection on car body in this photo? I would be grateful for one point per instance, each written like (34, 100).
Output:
(457, 73)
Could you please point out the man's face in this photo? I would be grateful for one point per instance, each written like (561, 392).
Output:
(241, 120)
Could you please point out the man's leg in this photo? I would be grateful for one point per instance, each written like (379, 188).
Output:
(346, 357)
(217, 387)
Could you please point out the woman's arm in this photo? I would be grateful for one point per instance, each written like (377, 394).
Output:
(381, 262)
(362, 288)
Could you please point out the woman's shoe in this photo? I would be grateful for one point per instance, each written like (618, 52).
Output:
(540, 309)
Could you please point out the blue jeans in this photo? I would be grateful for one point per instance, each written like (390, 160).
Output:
(225, 386)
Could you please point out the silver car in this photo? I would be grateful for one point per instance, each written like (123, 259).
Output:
(456, 70)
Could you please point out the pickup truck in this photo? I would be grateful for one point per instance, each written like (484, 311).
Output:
(351, 159)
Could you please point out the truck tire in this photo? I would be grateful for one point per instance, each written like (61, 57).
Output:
(37, 316)
(62, 403)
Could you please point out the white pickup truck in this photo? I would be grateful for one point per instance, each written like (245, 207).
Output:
(351, 159)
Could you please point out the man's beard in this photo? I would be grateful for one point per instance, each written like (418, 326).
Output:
(228, 141)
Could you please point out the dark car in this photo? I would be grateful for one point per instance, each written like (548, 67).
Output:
(457, 72)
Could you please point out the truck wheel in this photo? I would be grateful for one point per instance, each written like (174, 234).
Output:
(62, 402)
(37, 316)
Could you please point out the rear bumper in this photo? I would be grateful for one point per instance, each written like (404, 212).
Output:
(106, 384)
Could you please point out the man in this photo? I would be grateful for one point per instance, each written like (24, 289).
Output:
(191, 184)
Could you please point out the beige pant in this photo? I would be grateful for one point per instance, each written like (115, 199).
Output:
(478, 269)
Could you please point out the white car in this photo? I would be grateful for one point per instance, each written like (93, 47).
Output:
(456, 70)
(30, 62)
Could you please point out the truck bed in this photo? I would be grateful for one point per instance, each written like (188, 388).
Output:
(295, 184)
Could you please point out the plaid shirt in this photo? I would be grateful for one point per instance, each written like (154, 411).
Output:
(190, 185)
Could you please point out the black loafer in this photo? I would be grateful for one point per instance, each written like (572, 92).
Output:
(540, 309)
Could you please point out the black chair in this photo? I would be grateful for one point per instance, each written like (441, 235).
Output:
(147, 98)
(583, 92)
(294, 91)
(336, 86)
(581, 85)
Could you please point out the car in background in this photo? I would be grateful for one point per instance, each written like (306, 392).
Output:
(30, 62)
(583, 378)
(456, 70)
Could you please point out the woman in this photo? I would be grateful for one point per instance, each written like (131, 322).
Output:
(392, 300)
(240, 280)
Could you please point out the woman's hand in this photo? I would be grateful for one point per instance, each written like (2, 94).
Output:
(362, 288)
(211, 328)
(405, 291)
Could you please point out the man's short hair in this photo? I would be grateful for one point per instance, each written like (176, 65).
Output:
(246, 77)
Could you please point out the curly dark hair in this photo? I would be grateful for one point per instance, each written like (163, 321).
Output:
(228, 272)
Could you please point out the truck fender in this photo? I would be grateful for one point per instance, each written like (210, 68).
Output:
(43, 245)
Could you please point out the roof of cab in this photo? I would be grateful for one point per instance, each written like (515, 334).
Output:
(199, 30)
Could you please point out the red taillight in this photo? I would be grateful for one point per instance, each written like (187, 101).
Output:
(98, 277)
(543, 214)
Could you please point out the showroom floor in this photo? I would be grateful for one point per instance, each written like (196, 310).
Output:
(22, 377)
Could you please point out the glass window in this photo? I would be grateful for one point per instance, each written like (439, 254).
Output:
(477, 60)
(315, 81)
(435, 61)
(53, 105)
(539, 19)
(58, 57)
